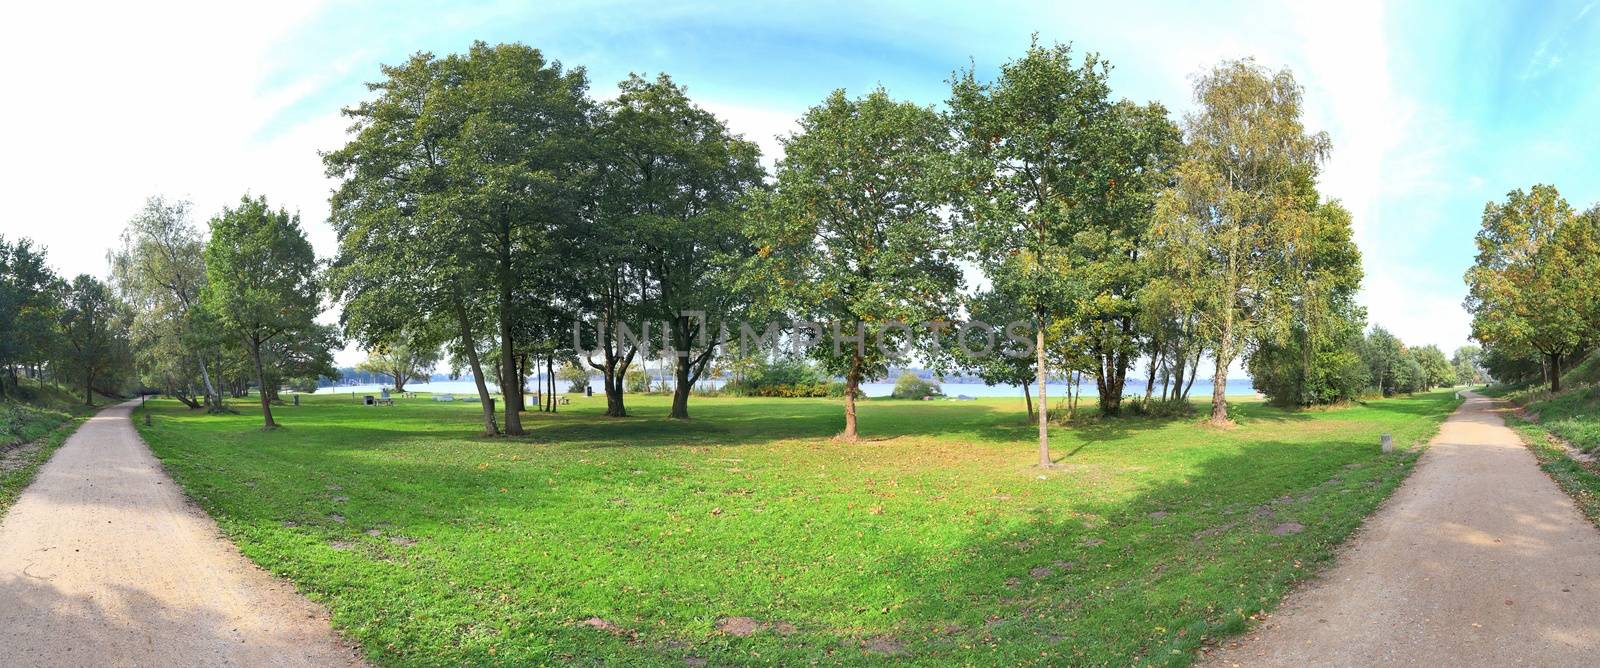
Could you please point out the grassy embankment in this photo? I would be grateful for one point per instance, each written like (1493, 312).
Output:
(32, 426)
(747, 536)
(1563, 430)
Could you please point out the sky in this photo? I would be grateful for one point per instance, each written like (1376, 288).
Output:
(1433, 108)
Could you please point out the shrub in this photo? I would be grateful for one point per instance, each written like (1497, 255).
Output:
(1157, 408)
(636, 381)
(910, 386)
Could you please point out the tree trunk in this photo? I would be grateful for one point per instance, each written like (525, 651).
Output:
(1044, 420)
(1027, 399)
(470, 345)
(261, 383)
(1555, 372)
(550, 382)
(510, 376)
(1194, 372)
(88, 389)
(680, 390)
(1219, 381)
(852, 383)
(1150, 378)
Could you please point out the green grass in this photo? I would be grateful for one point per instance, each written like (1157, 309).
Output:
(935, 542)
(32, 425)
(1578, 480)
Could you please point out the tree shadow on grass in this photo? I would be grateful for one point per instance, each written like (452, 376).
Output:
(1146, 580)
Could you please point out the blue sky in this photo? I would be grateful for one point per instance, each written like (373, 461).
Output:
(1433, 107)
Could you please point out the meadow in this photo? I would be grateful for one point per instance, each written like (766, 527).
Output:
(748, 537)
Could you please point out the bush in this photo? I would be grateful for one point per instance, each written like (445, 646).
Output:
(910, 386)
(636, 381)
(825, 389)
(576, 377)
(1157, 408)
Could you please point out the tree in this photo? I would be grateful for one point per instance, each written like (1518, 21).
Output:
(575, 376)
(1242, 185)
(1468, 363)
(160, 272)
(30, 301)
(94, 335)
(1436, 370)
(261, 282)
(853, 235)
(1309, 353)
(1532, 283)
(461, 174)
(1031, 152)
(987, 359)
(1384, 356)
(401, 262)
(518, 158)
(402, 362)
(674, 175)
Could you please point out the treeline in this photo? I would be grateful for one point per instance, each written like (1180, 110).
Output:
(1534, 289)
(218, 312)
(69, 333)
(487, 201)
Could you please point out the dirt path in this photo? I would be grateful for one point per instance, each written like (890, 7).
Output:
(103, 562)
(1477, 560)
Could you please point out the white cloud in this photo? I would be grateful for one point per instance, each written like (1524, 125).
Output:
(123, 101)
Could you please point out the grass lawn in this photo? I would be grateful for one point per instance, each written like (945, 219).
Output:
(644, 541)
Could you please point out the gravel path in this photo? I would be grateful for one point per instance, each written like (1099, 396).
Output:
(104, 562)
(1477, 560)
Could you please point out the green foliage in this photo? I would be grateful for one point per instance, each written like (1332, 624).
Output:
(1158, 408)
(1063, 186)
(637, 381)
(576, 377)
(30, 304)
(1468, 364)
(1531, 289)
(854, 234)
(912, 386)
(261, 286)
(674, 179)
(1309, 353)
(94, 352)
(1244, 190)
(160, 272)
(784, 377)
(924, 538)
(402, 363)
(1436, 370)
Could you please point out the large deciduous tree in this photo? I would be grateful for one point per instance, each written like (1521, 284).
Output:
(403, 264)
(94, 336)
(30, 301)
(461, 174)
(160, 271)
(1309, 353)
(401, 361)
(1530, 288)
(261, 283)
(854, 235)
(1241, 185)
(1058, 184)
(674, 176)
